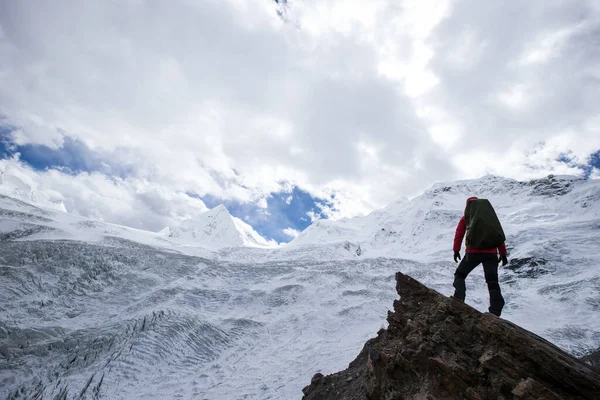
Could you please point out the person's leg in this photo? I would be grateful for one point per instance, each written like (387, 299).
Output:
(468, 263)
(490, 269)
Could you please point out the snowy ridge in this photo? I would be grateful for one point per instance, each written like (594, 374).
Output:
(24, 221)
(210, 231)
(423, 228)
(86, 306)
(553, 230)
(29, 214)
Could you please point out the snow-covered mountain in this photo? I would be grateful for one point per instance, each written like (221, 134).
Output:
(33, 214)
(212, 230)
(216, 229)
(553, 236)
(423, 228)
(96, 310)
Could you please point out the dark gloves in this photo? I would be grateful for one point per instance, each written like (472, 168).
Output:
(456, 256)
(503, 259)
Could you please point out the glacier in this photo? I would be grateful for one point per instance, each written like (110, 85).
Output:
(210, 310)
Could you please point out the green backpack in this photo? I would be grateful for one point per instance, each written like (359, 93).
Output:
(483, 227)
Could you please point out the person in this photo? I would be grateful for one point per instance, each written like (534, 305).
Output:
(485, 239)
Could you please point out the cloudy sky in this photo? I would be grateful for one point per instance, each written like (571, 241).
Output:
(145, 113)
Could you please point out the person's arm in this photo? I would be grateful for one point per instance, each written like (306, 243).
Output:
(502, 249)
(461, 228)
(502, 259)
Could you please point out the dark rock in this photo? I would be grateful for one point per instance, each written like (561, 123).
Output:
(553, 186)
(436, 347)
(359, 251)
(529, 267)
(593, 360)
(317, 377)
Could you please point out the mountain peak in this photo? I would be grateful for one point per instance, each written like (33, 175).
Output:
(213, 228)
(217, 228)
(219, 209)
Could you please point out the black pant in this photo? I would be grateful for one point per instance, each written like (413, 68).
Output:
(490, 269)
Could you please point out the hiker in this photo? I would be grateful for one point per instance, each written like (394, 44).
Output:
(485, 238)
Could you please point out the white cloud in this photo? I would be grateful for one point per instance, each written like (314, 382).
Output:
(369, 101)
(130, 201)
(548, 45)
(291, 232)
(465, 49)
(262, 203)
(595, 173)
(313, 216)
(515, 97)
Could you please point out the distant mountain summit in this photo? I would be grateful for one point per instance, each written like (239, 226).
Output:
(216, 229)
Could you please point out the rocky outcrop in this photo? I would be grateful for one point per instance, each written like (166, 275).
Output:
(593, 359)
(436, 347)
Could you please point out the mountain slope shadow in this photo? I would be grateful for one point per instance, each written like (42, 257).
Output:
(439, 348)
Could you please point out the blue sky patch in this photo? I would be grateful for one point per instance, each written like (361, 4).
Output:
(593, 161)
(287, 209)
(73, 157)
(6, 141)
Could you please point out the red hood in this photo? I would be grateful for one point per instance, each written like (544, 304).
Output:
(472, 198)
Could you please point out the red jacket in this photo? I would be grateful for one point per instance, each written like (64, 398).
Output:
(461, 229)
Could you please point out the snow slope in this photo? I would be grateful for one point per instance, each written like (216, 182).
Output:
(95, 310)
(553, 233)
(423, 228)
